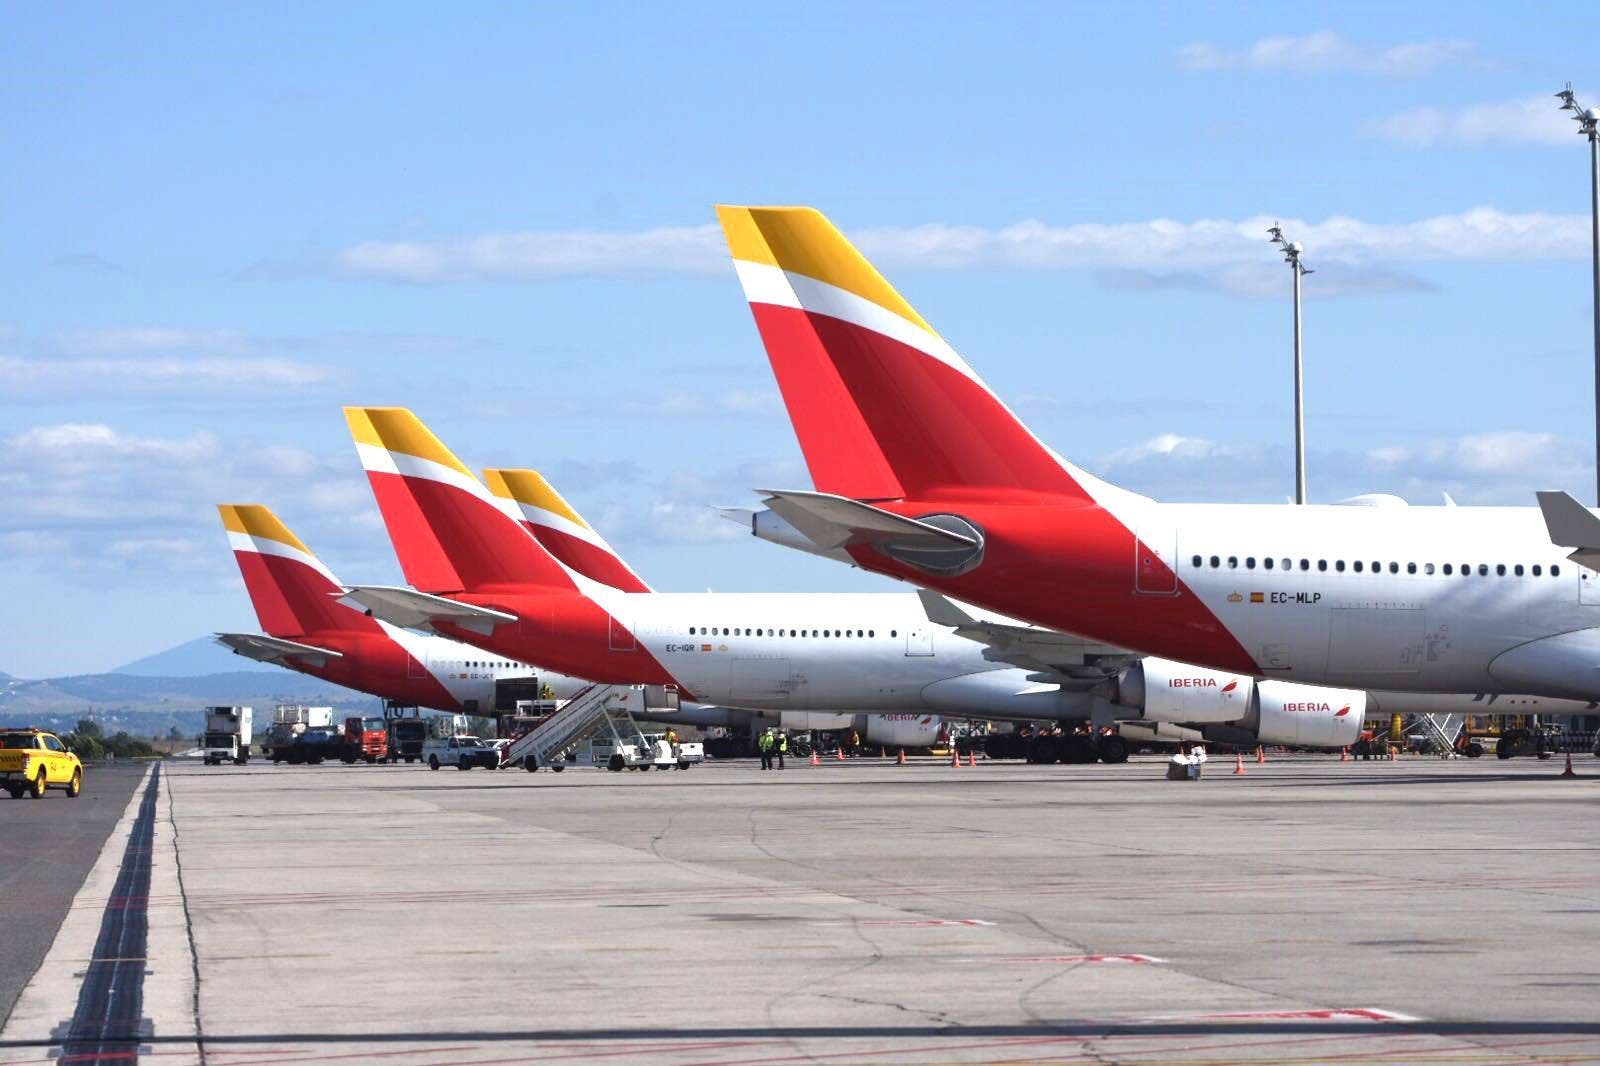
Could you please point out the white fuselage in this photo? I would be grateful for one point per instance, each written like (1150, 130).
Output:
(1425, 599)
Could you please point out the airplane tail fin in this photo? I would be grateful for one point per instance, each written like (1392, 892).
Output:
(293, 593)
(448, 532)
(883, 407)
(535, 503)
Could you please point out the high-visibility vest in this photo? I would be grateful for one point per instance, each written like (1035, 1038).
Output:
(783, 742)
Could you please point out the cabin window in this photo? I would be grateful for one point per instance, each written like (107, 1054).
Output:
(1305, 564)
(691, 631)
(872, 632)
(1446, 569)
(1500, 570)
(1250, 563)
(894, 632)
(1197, 562)
(1233, 562)
(1394, 568)
(1267, 562)
(1536, 570)
(1322, 564)
(1411, 568)
(1517, 570)
(1339, 566)
(1483, 569)
(1215, 562)
(1357, 565)
(1555, 571)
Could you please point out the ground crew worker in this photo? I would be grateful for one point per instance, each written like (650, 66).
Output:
(764, 742)
(783, 748)
(672, 740)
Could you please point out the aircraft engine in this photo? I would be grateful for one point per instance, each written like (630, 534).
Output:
(1309, 716)
(1161, 690)
(902, 730)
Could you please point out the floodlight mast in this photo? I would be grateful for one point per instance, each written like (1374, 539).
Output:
(1588, 119)
(1291, 255)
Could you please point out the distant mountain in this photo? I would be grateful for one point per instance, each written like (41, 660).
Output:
(193, 658)
(148, 706)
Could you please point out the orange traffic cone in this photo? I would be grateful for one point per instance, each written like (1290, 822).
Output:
(1238, 764)
(955, 758)
(972, 758)
(814, 760)
(841, 755)
(1344, 754)
(902, 760)
(1261, 754)
(1568, 771)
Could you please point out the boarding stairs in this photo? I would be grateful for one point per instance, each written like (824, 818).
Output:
(608, 708)
(1440, 731)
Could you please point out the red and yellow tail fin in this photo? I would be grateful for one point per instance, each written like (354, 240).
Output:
(448, 532)
(560, 528)
(883, 407)
(293, 593)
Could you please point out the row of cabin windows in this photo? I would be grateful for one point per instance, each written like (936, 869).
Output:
(485, 663)
(712, 631)
(1500, 569)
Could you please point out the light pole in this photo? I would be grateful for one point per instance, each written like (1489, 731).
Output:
(1291, 255)
(1588, 119)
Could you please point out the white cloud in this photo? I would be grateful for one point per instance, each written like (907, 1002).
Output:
(1527, 120)
(1325, 51)
(1155, 252)
(133, 339)
(77, 376)
(1503, 467)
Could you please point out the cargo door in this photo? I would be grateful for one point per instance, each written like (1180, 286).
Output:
(1375, 641)
(1155, 563)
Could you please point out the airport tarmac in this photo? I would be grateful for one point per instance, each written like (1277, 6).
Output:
(1308, 911)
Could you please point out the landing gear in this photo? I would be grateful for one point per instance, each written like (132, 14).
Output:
(1112, 748)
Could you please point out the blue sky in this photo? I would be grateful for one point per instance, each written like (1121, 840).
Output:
(224, 222)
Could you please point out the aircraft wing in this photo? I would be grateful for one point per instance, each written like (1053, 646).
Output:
(262, 648)
(1057, 657)
(836, 521)
(411, 609)
(1572, 525)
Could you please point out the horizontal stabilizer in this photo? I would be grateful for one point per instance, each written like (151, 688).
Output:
(1572, 525)
(1062, 656)
(262, 648)
(411, 609)
(835, 521)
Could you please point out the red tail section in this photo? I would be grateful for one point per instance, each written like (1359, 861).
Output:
(293, 593)
(883, 407)
(449, 533)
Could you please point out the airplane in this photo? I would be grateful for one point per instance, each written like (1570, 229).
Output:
(479, 576)
(921, 473)
(307, 630)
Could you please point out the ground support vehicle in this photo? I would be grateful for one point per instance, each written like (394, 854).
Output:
(310, 747)
(227, 736)
(408, 731)
(463, 751)
(32, 761)
(288, 722)
(365, 739)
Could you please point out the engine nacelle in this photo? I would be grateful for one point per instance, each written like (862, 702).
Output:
(1308, 716)
(1161, 690)
(902, 730)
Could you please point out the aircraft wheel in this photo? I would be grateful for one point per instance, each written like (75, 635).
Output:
(1113, 749)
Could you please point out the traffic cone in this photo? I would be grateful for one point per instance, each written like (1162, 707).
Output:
(972, 758)
(1392, 755)
(902, 760)
(1261, 754)
(814, 760)
(1568, 771)
(1238, 764)
(841, 755)
(955, 758)
(1344, 753)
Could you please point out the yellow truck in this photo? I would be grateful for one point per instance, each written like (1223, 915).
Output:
(32, 761)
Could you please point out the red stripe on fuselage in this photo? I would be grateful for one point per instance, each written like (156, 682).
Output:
(592, 562)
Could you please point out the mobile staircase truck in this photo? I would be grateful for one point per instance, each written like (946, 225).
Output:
(605, 713)
(227, 736)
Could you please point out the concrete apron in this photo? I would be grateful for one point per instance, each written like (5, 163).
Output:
(53, 1007)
